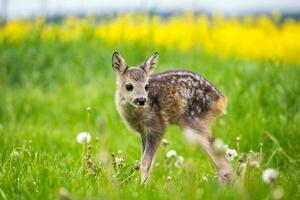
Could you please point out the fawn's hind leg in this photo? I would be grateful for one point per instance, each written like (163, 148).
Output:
(204, 137)
(150, 143)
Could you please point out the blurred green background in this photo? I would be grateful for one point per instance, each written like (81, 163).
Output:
(46, 86)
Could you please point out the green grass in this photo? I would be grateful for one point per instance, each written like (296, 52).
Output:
(45, 88)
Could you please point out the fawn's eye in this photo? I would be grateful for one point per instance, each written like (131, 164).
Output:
(146, 87)
(129, 87)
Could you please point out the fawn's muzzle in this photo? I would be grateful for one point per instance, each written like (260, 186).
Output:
(140, 101)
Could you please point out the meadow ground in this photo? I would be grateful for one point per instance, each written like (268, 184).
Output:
(47, 86)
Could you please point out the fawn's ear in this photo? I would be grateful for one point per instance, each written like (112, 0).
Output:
(118, 63)
(150, 64)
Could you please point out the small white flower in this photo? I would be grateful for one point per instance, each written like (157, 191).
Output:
(179, 161)
(218, 146)
(120, 160)
(83, 137)
(165, 142)
(232, 153)
(171, 153)
(270, 175)
(168, 179)
(243, 165)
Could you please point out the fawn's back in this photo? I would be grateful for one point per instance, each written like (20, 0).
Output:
(183, 95)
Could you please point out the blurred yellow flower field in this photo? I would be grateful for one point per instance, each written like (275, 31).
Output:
(258, 38)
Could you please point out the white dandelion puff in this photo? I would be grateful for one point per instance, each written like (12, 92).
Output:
(168, 179)
(270, 175)
(83, 137)
(120, 160)
(243, 165)
(171, 153)
(218, 146)
(254, 160)
(165, 142)
(232, 153)
(179, 161)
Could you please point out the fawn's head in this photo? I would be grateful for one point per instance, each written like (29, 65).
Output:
(132, 82)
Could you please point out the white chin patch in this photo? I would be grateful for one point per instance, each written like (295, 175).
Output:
(191, 135)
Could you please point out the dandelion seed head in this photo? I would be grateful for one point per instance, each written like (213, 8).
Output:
(120, 159)
(172, 153)
(243, 165)
(238, 139)
(270, 175)
(218, 146)
(179, 161)
(83, 137)
(168, 179)
(232, 153)
(180, 158)
(165, 142)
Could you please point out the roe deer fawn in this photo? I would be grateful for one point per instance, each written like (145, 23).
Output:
(149, 102)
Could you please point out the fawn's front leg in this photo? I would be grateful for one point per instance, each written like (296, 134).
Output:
(150, 143)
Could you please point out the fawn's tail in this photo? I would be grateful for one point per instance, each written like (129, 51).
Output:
(219, 106)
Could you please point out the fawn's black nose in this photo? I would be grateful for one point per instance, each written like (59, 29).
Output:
(140, 101)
